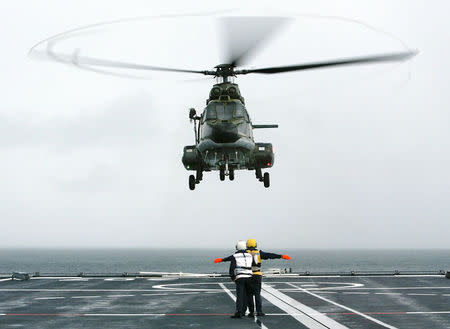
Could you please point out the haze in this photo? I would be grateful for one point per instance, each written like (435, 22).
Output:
(362, 153)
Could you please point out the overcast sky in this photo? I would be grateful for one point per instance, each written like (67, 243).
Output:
(362, 153)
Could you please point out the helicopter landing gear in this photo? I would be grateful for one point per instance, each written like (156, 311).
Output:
(258, 174)
(222, 174)
(266, 180)
(192, 182)
(231, 174)
(198, 176)
(263, 178)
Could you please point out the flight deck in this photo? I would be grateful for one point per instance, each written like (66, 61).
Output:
(207, 301)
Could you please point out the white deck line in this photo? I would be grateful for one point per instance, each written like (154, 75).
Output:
(355, 292)
(7, 279)
(86, 296)
(120, 296)
(317, 292)
(394, 288)
(307, 316)
(45, 298)
(229, 293)
(78, 290)
(429, 312)
(346, 308)
(124, 314)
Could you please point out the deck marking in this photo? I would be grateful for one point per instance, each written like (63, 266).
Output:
(45, 298)
(388, 293)
(347, 308)
(78, 290)
(307, 316)
(191, 286)
(7, 279)
(124, 314)
(421, 294)
(229, 293)
(120, 296)
(399, 288)
(86, 296)
(355, 293)
(206, 314)
(319, 292)
(154, 294)
(429, 312)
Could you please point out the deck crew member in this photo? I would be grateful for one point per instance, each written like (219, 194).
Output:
(240, 273)
(255, 282)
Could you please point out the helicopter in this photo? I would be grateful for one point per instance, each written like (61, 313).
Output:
(224, 140)
(224, 135)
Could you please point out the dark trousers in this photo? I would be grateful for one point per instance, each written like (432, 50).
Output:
(255, 291)
(242, 291)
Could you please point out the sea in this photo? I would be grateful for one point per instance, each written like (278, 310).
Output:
(75, 261)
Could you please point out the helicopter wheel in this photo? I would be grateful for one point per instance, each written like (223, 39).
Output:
(192, 182)
(222, 174)
(266, 179)
(231, 175)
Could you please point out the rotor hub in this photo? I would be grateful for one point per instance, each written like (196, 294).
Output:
(224, 70)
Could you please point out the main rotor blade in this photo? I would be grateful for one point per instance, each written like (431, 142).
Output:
(394, 57)
(124, 65)
(78, 60)
(243, 35)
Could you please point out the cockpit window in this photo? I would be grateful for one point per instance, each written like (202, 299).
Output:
(225, 111)
(239, 112)
(211, 113)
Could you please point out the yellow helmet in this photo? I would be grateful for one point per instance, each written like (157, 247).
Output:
(251, 243)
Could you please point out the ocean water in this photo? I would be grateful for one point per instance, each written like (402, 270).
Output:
(201, 260)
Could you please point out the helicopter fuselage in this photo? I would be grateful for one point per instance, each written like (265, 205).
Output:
(224, 137)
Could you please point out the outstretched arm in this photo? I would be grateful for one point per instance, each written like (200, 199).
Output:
(226, 259)
(269, 255)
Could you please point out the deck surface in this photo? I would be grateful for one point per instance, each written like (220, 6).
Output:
(302, 302)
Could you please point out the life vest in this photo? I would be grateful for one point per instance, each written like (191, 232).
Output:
(256, 264)
(243, 265)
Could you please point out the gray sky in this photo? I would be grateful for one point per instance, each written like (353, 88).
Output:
(362, 154)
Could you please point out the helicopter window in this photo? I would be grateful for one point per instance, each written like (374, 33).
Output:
(225, 111)
(239, 112)
(211, 113)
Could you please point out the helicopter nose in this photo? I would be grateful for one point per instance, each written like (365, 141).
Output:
(225, 133)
